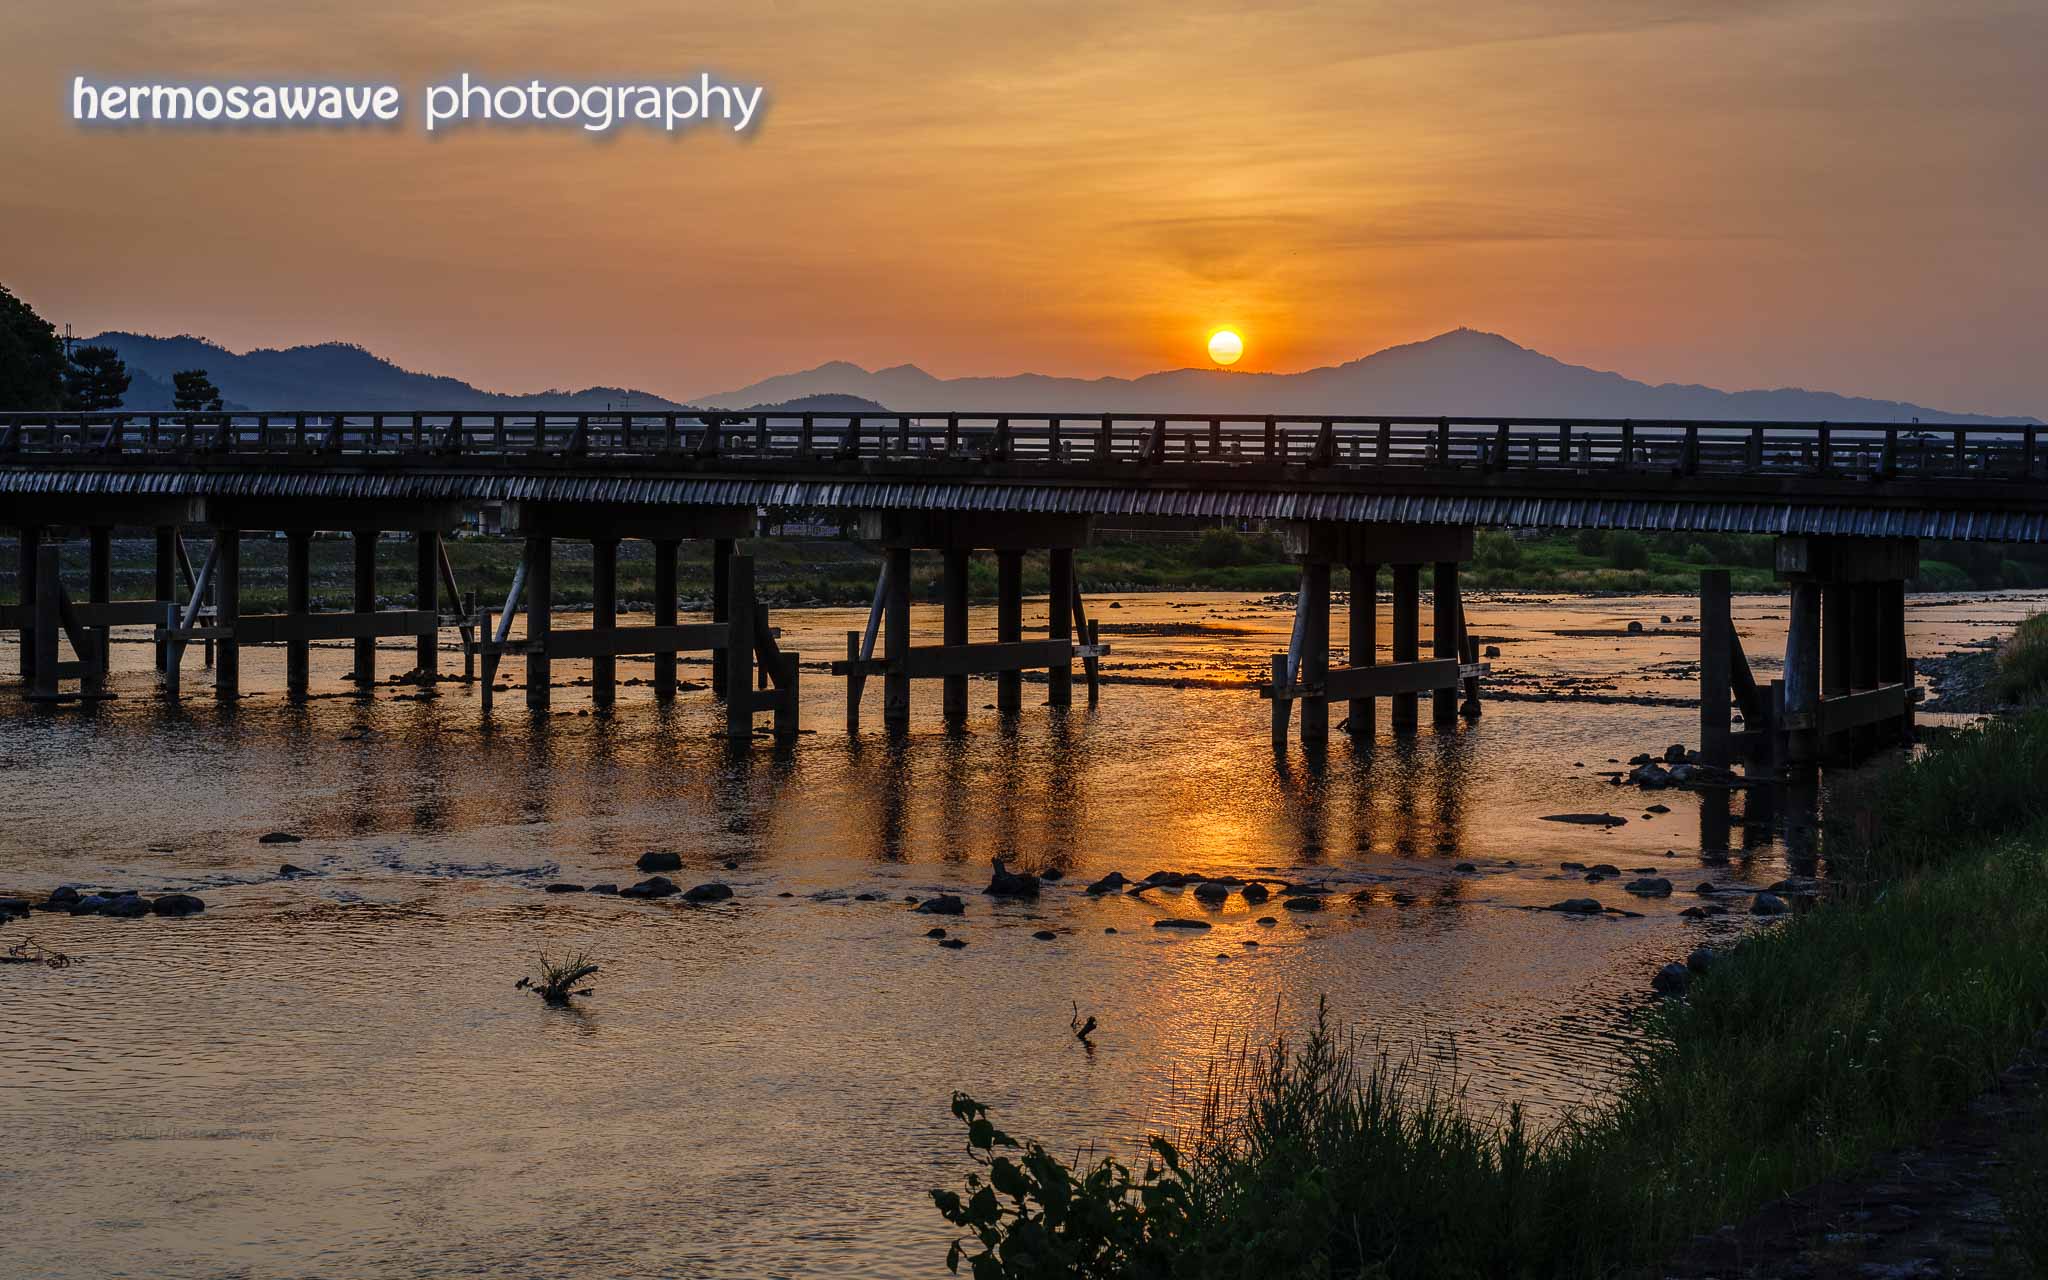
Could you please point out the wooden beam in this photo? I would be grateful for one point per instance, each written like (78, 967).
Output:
(299, 628)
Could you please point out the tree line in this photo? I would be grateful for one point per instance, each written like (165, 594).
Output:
(38, 372)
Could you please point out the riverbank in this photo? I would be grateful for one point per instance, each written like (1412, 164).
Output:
(1803, 1053)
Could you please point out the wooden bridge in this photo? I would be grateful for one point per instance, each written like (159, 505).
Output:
(1848, 499)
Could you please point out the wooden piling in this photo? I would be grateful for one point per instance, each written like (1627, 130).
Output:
(1837, 643)
(1009, 626)
(665, 615)
(721, 593)
(1315, 651)
(29, 542)
(739, 656)
(1802, 675)
(227, 586)
(42, 636)
(365, 548)
(1443, 637)
(1059, 683)
(1282, 703)
(1407, 636)
(1863, 658)
(953, 591)
(1891, 647)
(298, 602)
(1364, 641)
(604, 617)
(788, 704)
(540, 603)
(1717, 662)
(1087, 632)
(427, 598)
(99, 587)
(896, 639)
(166, 578)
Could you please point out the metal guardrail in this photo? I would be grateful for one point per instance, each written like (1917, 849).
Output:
(1884, 451)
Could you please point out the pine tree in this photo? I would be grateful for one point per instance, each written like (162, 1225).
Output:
(31, 358)
(194, 392)
(96, 380)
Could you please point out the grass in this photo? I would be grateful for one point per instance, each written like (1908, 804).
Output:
(1809, 1049)
(2022, 675)
(558, 978)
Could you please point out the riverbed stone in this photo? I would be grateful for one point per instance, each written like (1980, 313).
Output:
(1177, 923)
(935, 932)
(1108, 884)
(1671, 980)
(1255, 893)
(1466, 868)
(1045, 935)
(1650, 887)
(715, 891)
(1577, 907)
(610, 889)
(177, 905)
(651, 887)
(659, 860)
(952, 944)
(1005, 883)
(62, 898)
(13, 907)
(944, 904)
(128, 906)
(562, 886)
(278, 837)
(1303, 904)
(1768, 904)
(1702, 959)
(1212, 891)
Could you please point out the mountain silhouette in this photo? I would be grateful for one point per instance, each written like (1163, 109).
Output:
(1463, 373)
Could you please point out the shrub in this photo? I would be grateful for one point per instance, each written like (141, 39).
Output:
(2023, 662)
(1494, 550)
(1590, 542)
(1628, 551)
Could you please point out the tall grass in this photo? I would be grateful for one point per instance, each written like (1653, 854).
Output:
(2023, 662)
(1802, 1054)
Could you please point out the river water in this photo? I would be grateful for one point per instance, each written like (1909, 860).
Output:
(334, 1076)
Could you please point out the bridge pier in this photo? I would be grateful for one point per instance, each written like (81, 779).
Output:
(1848, 686)
(1304, 675)
(956, 536)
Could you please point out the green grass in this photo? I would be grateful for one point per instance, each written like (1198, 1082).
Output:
(2023, 662)
(1808, 1050)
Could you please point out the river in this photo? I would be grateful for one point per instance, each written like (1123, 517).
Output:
(333, 1075)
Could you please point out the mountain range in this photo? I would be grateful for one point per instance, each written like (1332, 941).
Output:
(1463, 373)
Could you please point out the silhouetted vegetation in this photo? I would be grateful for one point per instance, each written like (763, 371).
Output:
(194, 392)
(31, 358)
(1800, 1055)
(96, 379)
(557, 979)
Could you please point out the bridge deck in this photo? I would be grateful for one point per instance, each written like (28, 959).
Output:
(1867, 479)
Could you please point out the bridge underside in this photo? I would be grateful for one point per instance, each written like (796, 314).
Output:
(1595, 505)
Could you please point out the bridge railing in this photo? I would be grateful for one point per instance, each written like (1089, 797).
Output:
(1664, 447)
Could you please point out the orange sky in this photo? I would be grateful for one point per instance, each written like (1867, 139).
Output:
(1839, 195)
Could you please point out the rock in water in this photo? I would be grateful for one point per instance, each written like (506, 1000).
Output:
(13, 907)
(934, 933)
(652, 887)
(1303, 904)
(1577, 907)
(952, 944)
(126, 907)
(1180, 924)
(1768, 904)
(563, 887)
(1650, 887)
(1587, 819)
(713, 892)
(1212, 891)
(1108, 884)
(177, 904)
(1045, 935)
(279, 837)
(1006, 883)
(1671, 980)
(1466, 868)
(1256, 893)
(659, 861)
(945, 904)
(1701, 959)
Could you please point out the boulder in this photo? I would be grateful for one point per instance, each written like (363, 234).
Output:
(603, 888)
(128, 906)
(13, 907)
(62, 898)
(1701, 959)
(1650, 887)
(1577, 907)
(935, 932)
(1005, 883)
(1492, 651)
(1256, 893)
(290, 871)
(1212, 891)
(1303, 904)
(1268, 921)
(1671, 980)
(651, 887)
(945, 904)
(1768, 904)
(1466, 868)
(952, 944)
(1675, 753)
(1108, 884)
(177, 905)
(563, 887)
(90, 905)
(1603, 869)
(278, 837)
(1045, 935)
(1650, 777)
(1172, 923)
(712, 892)
(659, 860)
(1635, 628)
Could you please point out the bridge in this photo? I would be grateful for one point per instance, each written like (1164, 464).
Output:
(1847, 501)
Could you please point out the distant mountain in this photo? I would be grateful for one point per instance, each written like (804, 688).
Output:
(1463, 373)
(333, 375)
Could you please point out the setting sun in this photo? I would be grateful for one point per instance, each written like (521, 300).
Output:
(1225, 347)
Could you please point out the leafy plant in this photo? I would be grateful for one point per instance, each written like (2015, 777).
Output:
(558, 978)
(1033, 1218)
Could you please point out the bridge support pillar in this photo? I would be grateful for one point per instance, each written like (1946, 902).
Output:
(298, 603)
(954, 592)
(1445, 638)
(1059, 627)
(1365, 643)
(227, 583)
(896, 642)
(99, 586)
(1315, 649)
(604, 618)
(540, 603)
(29, 544)
(665, 615)
(1848, 686)
(1009, 627)
(167, 548)
(1407, 637)
(427, 599)
(365, 549)
(721, 592)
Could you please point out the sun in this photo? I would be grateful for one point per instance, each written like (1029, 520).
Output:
(1225, 347)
